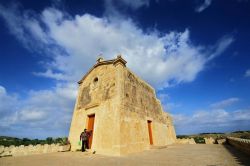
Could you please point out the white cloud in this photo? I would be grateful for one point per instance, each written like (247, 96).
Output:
(165, 102)
(73, 43)
(57, 99)
(221, 46)
(8, 105)
(203, 6)
(225, 103)
(50, 74)
(215, 120)
(30, 115)
(7, 102)
(50, 111)
(247, 73)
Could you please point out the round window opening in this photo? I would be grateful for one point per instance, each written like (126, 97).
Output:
(96, 80)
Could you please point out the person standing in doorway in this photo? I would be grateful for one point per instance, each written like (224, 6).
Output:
(84, 138)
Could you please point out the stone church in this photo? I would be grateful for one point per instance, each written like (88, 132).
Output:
(121, 111)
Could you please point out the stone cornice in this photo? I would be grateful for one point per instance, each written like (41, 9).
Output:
(119, 60)
(100, 61)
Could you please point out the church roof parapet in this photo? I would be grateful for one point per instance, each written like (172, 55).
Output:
(100, 61)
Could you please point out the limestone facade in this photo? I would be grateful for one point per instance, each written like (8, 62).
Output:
(121, 110)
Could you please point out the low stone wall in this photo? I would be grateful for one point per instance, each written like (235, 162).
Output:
(209, 140)
(29, 150)
(221, 141)
(241, 144)
(185, 141)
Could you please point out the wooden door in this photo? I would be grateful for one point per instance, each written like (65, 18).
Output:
(150, 132)
(91, 121)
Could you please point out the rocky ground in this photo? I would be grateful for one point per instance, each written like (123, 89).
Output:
(174, 155)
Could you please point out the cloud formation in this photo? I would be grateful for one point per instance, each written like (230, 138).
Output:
(73, 43)
(225, 103)
(203, 6)
(45, 111)
(247, 73)
(214, 120)
(7, 108)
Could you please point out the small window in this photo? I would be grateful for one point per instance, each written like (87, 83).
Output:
(96, 80)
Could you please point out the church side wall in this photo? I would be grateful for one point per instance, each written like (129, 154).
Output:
(140, 105)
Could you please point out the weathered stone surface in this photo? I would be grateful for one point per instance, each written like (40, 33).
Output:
(53, 148)
(57, 147)
(185, 141)
(45, 148)
(221, 141)
(1, 149)
(19, 151)
(85, 96)
(241, 144)
(122, 104)
(13, 149)
(39, 148)
(6, 153)
(209, 140)
(30, 150)
(64, 148)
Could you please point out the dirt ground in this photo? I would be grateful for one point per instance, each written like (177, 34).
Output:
(173, 155)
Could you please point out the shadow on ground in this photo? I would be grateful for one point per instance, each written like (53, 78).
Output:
(240, 157)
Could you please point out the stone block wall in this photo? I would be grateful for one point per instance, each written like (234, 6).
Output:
(241, 144)
(140, 105)
(221, 141)
(209, 140)
(185, 141)
(30, 150)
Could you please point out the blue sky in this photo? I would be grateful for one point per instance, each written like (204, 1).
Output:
(194, 53)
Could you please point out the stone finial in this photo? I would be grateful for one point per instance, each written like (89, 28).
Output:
(119, 56)
(120, 60)
(99, 59)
